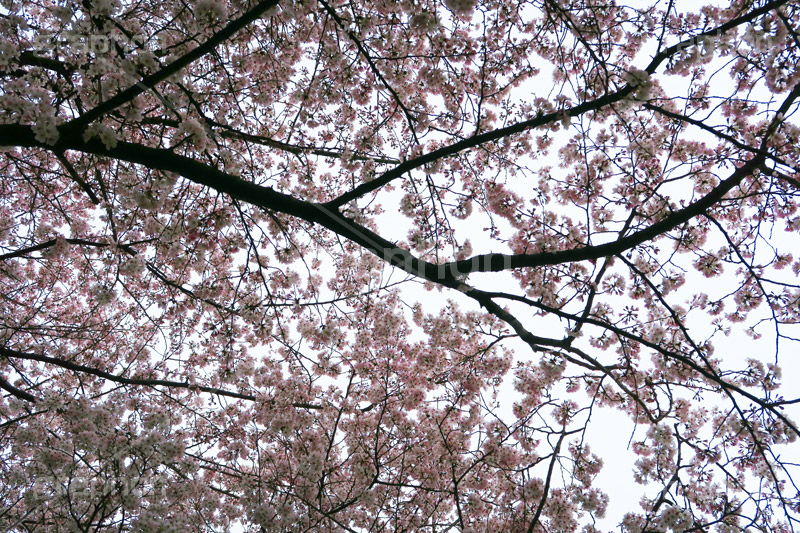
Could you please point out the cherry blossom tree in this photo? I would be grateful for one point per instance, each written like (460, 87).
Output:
(383, 266)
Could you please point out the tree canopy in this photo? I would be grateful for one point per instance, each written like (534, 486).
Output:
(392, 265)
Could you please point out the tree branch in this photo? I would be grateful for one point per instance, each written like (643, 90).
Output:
(14, 391)
(148, 82)
(75, 367)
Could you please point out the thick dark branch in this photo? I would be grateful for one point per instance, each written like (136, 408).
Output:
(14, 391)
(497, 262)
(781, 176)
(330, 218)
(31, 59)
(30, 249)
(265, 197)
(520, 127)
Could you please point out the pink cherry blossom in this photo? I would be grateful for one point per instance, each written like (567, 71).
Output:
(393, 265)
